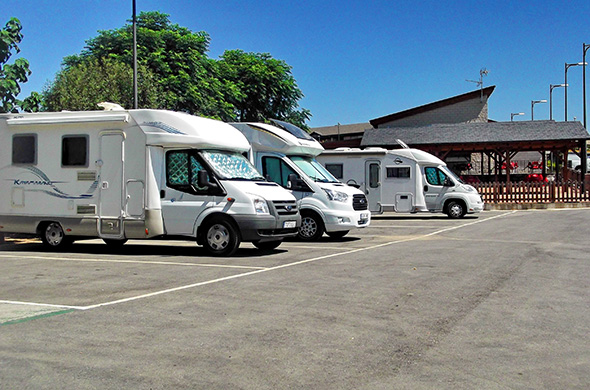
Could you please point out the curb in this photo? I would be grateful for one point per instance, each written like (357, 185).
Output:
(534, 206)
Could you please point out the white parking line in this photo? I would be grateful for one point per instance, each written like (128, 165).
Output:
(256, 271)
(290, 264)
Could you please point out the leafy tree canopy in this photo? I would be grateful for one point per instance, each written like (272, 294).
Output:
(12, 75)
(92, 81)
(238, 86)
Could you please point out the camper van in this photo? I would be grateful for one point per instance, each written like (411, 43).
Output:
(285, 154)
(403, 180)
(136, 174)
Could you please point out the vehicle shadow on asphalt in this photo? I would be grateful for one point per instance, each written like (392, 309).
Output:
(131, 249)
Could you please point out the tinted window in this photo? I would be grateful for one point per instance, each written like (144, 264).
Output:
(434, 176)
(24, 149)
(294, 130)
(373, 175)
(74, 151)
(336, 170)
(398, 172)
(277, 170)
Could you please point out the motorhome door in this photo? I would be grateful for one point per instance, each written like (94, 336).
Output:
(110, 163)
(373, 184)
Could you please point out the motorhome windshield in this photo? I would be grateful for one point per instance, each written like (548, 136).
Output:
(452, 174)
(314, 169)
(231, 166)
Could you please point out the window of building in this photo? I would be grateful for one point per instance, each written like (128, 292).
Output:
(24, 149)
(74, 151)
(398, 172)
(336, 170)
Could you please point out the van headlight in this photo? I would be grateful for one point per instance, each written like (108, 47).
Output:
(336, 195)
(261, 206)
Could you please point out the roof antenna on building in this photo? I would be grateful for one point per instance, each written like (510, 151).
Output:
(482, 72)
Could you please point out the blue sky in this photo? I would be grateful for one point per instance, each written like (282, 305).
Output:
(356, 60)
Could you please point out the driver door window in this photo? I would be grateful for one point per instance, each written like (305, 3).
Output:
(277, 170)
(435, 176)
(182, 176)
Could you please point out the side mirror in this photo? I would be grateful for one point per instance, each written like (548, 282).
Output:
(292, 181)
(448, 183)
(203, 180)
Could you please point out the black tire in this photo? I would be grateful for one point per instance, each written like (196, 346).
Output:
(267, 245)
(114, 243)
(53, 236)
(338, 234)
(221, 238)
(312, 227)
(456, 209)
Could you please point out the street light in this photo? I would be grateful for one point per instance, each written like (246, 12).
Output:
(567, 66)
(512, 115)
(533, 102)
(551, 86)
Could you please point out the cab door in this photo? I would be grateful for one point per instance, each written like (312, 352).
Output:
(373, 184)
(434, 188)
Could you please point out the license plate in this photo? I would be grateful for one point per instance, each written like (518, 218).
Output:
(289, 224)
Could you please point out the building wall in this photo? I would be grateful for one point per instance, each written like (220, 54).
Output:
(472, 110)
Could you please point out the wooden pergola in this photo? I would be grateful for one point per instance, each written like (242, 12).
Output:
(499, 141)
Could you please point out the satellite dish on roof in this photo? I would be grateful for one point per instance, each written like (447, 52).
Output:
(402, 143)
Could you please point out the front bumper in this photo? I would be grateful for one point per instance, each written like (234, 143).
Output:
(267, 227)
(347, 220)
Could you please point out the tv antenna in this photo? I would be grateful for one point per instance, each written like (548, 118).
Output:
(482, 72)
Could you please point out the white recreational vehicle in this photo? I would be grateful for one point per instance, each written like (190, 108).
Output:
(136, 174)
(286, 155)
(403, 180)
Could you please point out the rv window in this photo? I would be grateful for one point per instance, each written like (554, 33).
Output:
(74, 151)
(434, 176)
(24, 149)
(336, 170)
(277, 170)
(398, 172)
(373, 175)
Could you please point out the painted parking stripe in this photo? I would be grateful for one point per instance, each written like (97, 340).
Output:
(189, 286)
(257, 271)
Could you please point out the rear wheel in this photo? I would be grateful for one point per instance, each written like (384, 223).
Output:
(338, 234)
(312, 227)
(221, 238)
(456, 209)
(267, 245)
(53, 236)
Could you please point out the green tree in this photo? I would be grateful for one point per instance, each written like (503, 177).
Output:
(239, 86)
(265, 87)
(80, 87)
(11, 75)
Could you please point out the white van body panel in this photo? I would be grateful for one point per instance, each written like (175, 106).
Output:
(120, 191)
(397, 180)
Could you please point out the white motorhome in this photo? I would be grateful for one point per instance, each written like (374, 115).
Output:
(286, 154)
(403, 180)
(135, 174)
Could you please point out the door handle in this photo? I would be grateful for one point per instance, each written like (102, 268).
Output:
(425, 188)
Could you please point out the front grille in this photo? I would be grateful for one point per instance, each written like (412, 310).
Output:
(359, 202)
(285, 207)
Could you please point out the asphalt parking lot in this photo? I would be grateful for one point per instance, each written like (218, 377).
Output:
(501, 301)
